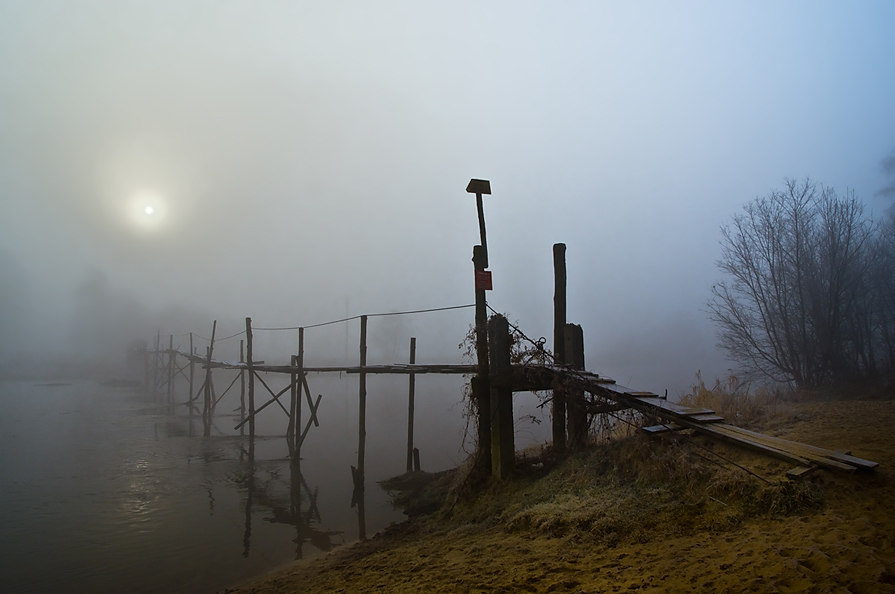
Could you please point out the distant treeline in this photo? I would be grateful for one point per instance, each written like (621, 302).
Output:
(809, 297)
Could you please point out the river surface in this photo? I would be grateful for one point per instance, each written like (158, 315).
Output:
(105, 489)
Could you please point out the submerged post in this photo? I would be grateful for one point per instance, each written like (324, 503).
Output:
(192, 370)
(361, 431)
(251, 369)
(207, 409)
(503, 450)
(170, 366)
(290, 428)
(242, 389)
(559, 342)
(300, 361)
(410, 404)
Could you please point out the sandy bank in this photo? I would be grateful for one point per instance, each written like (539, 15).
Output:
(846, 544)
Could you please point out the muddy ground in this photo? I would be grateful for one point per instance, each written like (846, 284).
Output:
(640, 515)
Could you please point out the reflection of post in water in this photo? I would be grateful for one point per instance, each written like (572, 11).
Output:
(250, 492)
(291, 512)
(357, 499)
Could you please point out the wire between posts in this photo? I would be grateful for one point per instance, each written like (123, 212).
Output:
(373, 315)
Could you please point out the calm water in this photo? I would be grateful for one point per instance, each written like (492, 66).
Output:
(104, 490)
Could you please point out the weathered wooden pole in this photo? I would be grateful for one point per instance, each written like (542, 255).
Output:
(503, 450)
(290, 428)
(207, 408)
(250, 367)
(155, 355)
(242, 389)
(559, 342)
(575, 406)
(192, 369)
(300, 361)
(480, 387)
(481, 391)
(410, 406)
(362, 404)
(146, 372)
(170, 381)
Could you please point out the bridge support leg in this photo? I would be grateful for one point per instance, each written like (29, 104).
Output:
(575, 408)
(503, 449)
(559, 343)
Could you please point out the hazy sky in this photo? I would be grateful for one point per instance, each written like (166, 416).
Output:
(305, 159)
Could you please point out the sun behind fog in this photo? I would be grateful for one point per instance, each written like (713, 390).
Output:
(147, 209)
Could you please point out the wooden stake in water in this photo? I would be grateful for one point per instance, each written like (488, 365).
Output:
(410, 406)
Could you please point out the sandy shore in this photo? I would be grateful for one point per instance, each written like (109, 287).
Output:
(847, 544)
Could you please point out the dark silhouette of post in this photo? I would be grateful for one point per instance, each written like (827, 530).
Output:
(206, 412)
(410, 405)
(481, 391)
(358, 496)
(300, 361)
(559, 342)
(503, 450)
(250, 367)
(575, 406)
(242, 389)
(192, 370)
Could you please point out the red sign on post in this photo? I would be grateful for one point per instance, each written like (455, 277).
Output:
(483, 280)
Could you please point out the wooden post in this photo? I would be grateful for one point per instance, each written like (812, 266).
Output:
(192, 370)
(146, 372)
(206, 416)
(577, 412)
(503, 450)
(290, 428)
(410, 406)
(362, 402)
(300, 360)
(559, 342)
(242, 389)
(251, 369)
(170, 381)
(481, 391)
(416, 459)
(158, 338)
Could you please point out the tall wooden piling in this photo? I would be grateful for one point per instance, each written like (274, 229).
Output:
(410, 406)
(250, 367)
(206, 414)
(242, 389)
(290, 427)
(170, 382)
(559, 341)
(481, 391)
(300, 361)
(575, 405)
(155, 356)
(192, 370)
(503, 450)
(361, 431)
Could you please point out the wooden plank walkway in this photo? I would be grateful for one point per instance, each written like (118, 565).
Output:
(703, 420)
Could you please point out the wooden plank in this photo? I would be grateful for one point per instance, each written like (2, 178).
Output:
(795, 445)
(800, 471)
(654, 429)
(706, 418)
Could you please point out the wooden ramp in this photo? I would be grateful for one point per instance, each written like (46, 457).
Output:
(675, 417)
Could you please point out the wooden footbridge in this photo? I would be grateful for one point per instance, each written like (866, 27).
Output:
(578, 396)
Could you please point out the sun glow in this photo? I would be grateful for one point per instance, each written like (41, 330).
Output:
(147, 209)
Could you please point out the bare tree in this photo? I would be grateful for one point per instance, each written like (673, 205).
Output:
(801, 301)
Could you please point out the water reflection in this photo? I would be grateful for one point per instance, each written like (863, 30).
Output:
(295, 506)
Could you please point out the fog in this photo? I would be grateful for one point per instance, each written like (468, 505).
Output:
(307, 162)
